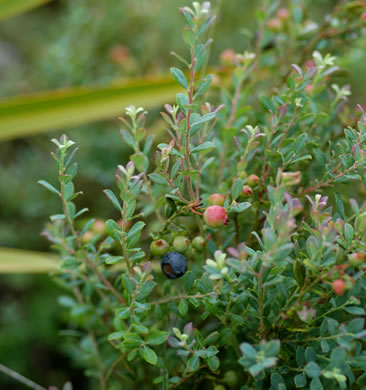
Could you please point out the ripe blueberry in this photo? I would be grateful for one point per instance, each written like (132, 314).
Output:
(174, 265)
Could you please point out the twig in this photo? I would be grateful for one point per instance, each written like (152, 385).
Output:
(166, 300)
(20, 378)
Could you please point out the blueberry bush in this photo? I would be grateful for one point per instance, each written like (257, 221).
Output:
(237, 255)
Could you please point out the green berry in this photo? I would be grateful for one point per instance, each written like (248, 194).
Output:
(159, 247)
(219, 387)
(199, 243)
(181, 243)
(231, 378)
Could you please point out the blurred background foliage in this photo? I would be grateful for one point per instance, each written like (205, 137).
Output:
(68, 43)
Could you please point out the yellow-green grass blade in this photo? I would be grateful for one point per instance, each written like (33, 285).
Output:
(29, 115)
(9, 8)
(15, 261)
(24, 261)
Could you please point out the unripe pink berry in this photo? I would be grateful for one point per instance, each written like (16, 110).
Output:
(216, 199)
(274, 24)
(247, 191)
(309, 89)
(339, 286)
(99, 226)
(253, 180)
(283, 14)
(87, 237)
(215, 216)
(356, 258)
(363, 16)
(227, 57)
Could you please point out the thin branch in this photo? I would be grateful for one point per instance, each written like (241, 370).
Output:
(20, 378)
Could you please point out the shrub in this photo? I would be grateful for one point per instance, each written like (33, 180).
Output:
(273, 298)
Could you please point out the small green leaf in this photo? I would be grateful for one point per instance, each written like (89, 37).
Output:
(156, 337)
(349, 233)
(340, 206)
(47, 185)
(113, 259)
(128, 138)
(188, 281)
(248, 351)
(358, 311)
(193, 363)
(158, 179)
(240, 207)
(134, 233)
(113, 229)
(312, 370)
(183, 308)
(237, 189)
(213, 363)
(148, 355)
(113, 199)
(300, 381)
(205, 147)
(179, 77)
(123, 312)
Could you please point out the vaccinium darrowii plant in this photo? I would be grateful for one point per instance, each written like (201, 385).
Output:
(252, 209)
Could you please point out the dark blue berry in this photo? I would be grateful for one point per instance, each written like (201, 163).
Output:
(174, 265)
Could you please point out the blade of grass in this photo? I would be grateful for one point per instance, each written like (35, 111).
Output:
(29, 115)
(24, 261)
(14, 261)
(9, 8)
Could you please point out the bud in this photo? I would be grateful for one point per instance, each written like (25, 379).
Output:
(290, 178)
(159, 247)
(216, 199)
(130, 168)
(188, 329)
(339, 286)
(247, 191)
(181, 243)
(216, 216)
(253, 180)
